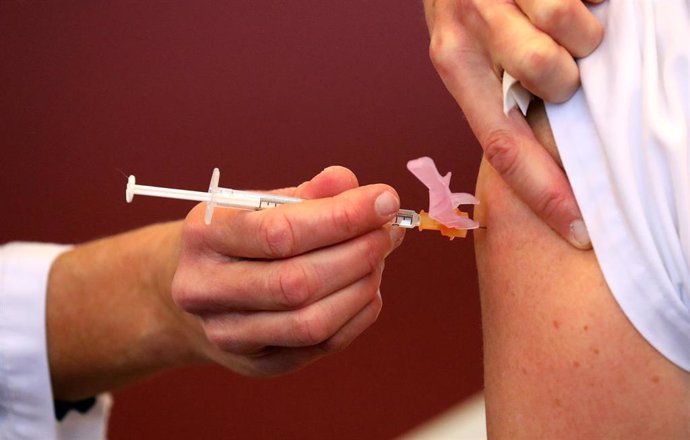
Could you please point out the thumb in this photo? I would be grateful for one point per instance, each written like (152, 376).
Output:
(331, 181)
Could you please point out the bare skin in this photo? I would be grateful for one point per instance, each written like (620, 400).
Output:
(561, 359)
(261, 293)
(472, 42)
(107, 324)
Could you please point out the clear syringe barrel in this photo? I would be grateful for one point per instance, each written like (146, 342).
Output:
(232, 198)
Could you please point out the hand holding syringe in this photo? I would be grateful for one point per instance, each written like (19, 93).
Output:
(274, 290)
(231, 198)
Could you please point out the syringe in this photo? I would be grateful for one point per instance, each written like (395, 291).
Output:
(232, 198)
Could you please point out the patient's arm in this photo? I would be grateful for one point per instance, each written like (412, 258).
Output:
(561, 359)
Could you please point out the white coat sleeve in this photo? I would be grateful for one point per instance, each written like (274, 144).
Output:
(26, 400)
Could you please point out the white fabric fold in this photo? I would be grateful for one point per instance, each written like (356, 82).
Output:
(624, 142)
(26, 400)
(514, 95)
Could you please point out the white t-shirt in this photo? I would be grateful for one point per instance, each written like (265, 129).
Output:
(623, 139)
(26, 399)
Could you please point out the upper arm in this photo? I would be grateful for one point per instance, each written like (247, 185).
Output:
(561, 359)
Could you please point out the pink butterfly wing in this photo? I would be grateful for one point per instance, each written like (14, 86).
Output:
(442, 202)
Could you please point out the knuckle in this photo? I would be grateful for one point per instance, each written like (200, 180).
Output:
(551, 202)
(278, 235)
(341, 340)
(193, 231)
(539, 58)
(336, 344)
(218, 335)
(437, 50)
(294, 285)
(191, 291)
(373, 248)
(184, 292)
(374, 290)
(224, 337)
(552, 15)
(548, 70)
(377, 305)
(344, 219)
(501, 151)
(218, 339)
(443, 52)
(309, 329)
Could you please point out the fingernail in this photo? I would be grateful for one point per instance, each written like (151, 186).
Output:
(396, 234)
(579, 235)
(386, 204)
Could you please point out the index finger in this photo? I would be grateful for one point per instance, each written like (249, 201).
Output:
(293, 229)
(509, 143)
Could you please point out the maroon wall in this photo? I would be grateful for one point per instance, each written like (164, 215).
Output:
(271, 92)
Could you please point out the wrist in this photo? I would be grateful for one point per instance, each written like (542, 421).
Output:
(110, 318)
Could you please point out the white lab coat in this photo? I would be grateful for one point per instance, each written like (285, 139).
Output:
(26, 400)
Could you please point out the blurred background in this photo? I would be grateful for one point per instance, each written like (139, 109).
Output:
(271, 92)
